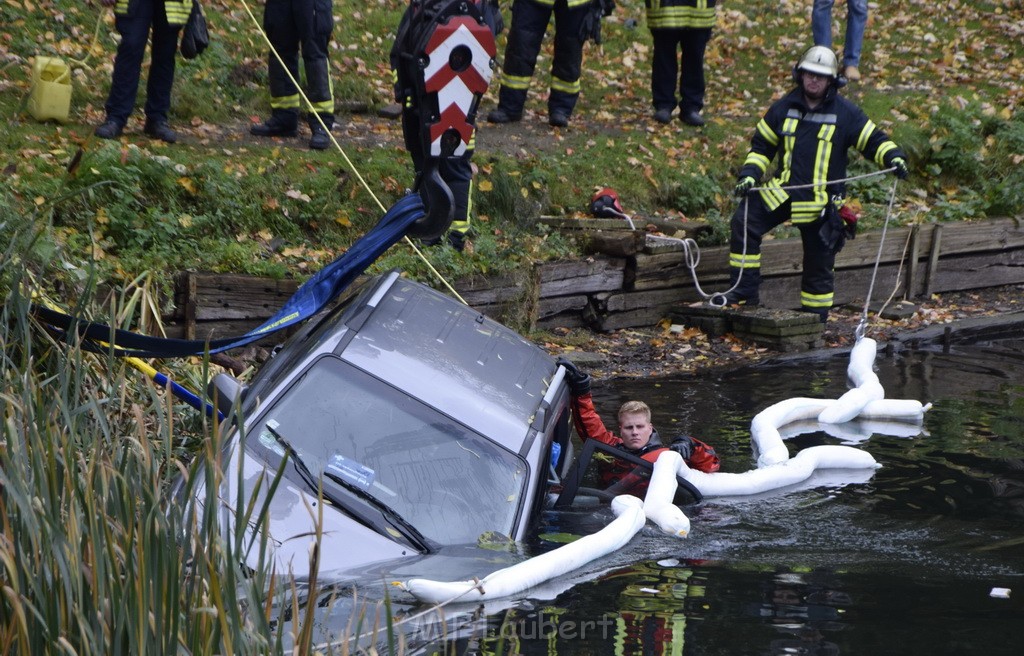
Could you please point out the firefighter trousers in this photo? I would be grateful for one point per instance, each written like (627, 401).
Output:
(292, 25)
(134, 29)
(817, 282)
(666, 65)
(457, 172)
(529, 23)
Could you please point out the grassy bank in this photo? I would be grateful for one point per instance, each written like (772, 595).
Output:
(942, 80)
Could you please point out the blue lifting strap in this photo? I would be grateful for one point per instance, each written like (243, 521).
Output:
(325, 286)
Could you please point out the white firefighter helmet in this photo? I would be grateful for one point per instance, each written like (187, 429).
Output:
(820, 60)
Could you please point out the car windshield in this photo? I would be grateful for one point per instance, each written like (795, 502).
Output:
(448, 482)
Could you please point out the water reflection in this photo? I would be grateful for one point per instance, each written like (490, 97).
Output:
(803, 607)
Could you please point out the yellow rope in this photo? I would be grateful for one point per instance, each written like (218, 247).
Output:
(95, 40)
(349, 162)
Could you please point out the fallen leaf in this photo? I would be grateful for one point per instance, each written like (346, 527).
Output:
(188, 185)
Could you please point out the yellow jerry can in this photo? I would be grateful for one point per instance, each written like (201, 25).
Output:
(50, 97)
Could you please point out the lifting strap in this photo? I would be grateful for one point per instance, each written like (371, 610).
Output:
(315, 294)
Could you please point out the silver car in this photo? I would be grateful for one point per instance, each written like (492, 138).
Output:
(426, 423)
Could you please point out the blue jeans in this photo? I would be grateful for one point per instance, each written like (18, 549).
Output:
(856, 19)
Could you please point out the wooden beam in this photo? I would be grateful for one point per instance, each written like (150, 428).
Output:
(190, 306)
(913, 272)
(581, 276)
(933, 260)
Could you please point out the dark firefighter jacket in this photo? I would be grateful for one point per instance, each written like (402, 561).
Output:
(674, 14)
(177, 10)
(812, 147)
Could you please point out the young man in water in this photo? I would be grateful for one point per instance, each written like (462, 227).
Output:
(638, 437)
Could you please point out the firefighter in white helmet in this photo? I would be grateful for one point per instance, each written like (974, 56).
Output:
(808, 133)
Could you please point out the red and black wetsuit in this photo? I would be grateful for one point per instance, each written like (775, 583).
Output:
(588, 424)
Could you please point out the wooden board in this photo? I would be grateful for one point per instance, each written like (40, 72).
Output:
(570, 277)
(226, 296)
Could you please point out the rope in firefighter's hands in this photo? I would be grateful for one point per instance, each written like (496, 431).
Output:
(719, 299)
(862, 326)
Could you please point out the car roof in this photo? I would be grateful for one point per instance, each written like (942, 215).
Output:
(451, 357)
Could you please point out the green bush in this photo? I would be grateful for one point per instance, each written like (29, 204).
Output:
(693, 195)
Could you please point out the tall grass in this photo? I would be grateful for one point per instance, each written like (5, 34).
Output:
(96, 557)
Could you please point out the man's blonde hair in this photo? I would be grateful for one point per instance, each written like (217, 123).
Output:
(635, 408)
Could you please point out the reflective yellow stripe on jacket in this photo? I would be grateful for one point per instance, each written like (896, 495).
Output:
(662, 14)
(571, 3)
(177, 10)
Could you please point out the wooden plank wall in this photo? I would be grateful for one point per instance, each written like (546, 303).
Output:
(641, 279)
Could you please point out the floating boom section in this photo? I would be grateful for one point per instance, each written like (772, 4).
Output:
(522, 576)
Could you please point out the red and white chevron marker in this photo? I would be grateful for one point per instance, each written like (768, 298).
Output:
(458, 40)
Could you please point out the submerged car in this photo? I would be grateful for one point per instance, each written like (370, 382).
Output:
(423, 424)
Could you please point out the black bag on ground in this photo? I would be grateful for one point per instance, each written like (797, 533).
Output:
(195, 37)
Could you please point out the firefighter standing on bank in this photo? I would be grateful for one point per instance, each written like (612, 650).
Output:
(291, 26)
(139, 22)
(575, 22)
(810, 130)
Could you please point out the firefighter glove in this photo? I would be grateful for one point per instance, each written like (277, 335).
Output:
(579, 382)
(849, 218)
(745, 184)
(590, 26)
(902, 172)
(683, 445)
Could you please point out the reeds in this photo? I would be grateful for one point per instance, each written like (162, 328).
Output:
(96, 555)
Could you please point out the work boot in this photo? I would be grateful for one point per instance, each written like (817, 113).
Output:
(110, 129)
(852, 73)
(500, 115)
(319, 140)
(280, 124)
(663, 116)
(735, 298)
(558, 119)
(158, 129)
(691, 117)
(821, 312)
(455, 238)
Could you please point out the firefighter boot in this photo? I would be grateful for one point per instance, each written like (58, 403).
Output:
(282, 123)
(320, 139)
